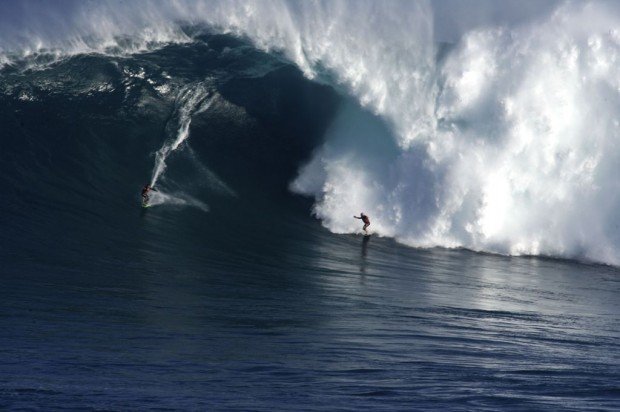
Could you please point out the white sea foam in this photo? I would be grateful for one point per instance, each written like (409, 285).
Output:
(522, 159)
(508, 143)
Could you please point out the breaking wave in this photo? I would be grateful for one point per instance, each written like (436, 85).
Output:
(502, 138)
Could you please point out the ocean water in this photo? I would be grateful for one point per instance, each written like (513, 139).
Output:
(490, 279)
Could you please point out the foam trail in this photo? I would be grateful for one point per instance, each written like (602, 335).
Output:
(192, 99)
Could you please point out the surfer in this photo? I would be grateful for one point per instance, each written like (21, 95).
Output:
(364, 219)
(145, 193)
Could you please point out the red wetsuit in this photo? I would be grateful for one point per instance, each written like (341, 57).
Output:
(145, 192)
(364, 219)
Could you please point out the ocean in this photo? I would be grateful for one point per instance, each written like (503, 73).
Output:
(489, 280)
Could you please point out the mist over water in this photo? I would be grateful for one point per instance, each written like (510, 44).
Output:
(504, 139)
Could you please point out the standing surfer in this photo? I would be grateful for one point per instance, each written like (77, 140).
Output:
(145, 193)
(364, 219)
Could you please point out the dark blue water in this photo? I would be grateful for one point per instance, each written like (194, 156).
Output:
(252, 305)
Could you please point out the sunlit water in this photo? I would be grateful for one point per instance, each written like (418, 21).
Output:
(295, 318)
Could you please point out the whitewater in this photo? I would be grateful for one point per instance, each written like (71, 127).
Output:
(497, 136)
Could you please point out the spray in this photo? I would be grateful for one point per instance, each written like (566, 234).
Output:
(192, 99)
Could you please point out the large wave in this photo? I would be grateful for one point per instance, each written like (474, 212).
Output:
(503, 141)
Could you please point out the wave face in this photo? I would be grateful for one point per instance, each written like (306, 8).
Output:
(220, 137)
(503, 140)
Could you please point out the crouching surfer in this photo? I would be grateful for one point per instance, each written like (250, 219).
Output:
(145, 193)
(364, 219)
